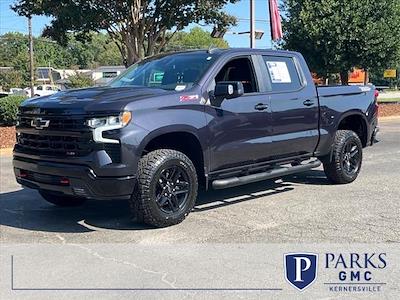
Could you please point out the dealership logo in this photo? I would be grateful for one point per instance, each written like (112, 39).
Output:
(301, 269)
(39, 123)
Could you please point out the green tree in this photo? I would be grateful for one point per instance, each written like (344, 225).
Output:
(197, 38)
(14, 53)
(98, 49)
(79, 80)
(138, 27)
(336, 36)
(12, 78)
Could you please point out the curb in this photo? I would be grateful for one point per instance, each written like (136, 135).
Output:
(391, 118)
(6, 152)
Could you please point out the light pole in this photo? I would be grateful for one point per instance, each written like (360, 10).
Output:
(252, 24)
(31, 64)
(254, 34)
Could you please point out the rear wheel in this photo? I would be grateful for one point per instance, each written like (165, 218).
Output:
(346, 161)
(167, 188)
(61, 200)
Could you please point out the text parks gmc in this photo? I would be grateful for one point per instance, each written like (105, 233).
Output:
(172, 122)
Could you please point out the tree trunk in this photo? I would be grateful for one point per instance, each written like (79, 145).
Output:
(366, 79)
(133, 54)
(344, 77)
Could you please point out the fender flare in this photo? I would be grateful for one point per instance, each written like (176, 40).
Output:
(177, 128)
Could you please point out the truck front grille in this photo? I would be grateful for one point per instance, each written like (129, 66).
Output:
(54, 145)
(64, 136)
(56, 123)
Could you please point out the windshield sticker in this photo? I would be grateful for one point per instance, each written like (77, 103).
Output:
(186, 98)
(180, 88)
(279, 72)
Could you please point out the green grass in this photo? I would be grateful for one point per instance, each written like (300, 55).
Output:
(388, 100)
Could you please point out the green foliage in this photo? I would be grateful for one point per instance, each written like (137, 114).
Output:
(80, 80)
(377, 78)
(14, 52)
(9, 109)
(197, 38)
(139, 28)
(99, 49)
(335, 36)
(12, 78)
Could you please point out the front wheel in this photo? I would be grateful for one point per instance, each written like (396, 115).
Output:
(166, 190)
(345, 164)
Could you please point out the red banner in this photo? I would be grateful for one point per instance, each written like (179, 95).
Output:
(276, 25)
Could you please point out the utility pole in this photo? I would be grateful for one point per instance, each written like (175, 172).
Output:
(252, 24)
(31, 62)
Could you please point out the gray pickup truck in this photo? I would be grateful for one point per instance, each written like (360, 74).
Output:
(172, 122)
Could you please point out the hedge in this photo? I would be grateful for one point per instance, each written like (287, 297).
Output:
(9, 109)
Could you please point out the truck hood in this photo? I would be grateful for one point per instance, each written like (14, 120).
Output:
(90, 100)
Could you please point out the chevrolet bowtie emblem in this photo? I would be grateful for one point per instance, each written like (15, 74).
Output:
(39, 123)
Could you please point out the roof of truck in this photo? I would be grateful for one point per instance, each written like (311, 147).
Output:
(220, 51)
(230, 50)
(249, 50)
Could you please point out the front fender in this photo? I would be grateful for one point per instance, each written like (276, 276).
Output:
(176, 128)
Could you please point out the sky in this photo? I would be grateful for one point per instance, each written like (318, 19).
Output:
(10, 21)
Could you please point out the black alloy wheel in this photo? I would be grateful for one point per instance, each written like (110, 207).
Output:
(344, 164)
(172, 189)
(166, 190)
(351, 158)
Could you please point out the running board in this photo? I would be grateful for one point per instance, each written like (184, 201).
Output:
(282, 171)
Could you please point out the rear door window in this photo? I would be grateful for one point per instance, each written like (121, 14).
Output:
(282, 73)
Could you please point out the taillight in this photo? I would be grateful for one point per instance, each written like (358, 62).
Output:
(376, 102)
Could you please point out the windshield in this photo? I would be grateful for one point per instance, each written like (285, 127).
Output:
(172, 72)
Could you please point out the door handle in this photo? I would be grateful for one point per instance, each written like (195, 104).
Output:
(308, 103)
(261, 106)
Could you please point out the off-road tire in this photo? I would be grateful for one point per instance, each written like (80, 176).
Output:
(61, 200)
(144, 207)
(334, 166)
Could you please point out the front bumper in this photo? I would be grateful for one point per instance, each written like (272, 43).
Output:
(73, 180)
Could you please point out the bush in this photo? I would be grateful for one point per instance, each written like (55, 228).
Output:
(12, 79)
(79, 80)
(9, 109)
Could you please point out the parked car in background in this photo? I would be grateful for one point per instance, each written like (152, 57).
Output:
(42, 90)
(14, 92)
(17, 92)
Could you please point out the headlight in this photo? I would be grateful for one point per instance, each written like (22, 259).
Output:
(122, 120)
(108, 123)
(97, 122)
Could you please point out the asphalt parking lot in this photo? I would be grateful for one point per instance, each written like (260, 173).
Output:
(300, 208)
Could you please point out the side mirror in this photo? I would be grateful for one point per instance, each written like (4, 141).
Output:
(228, 89)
